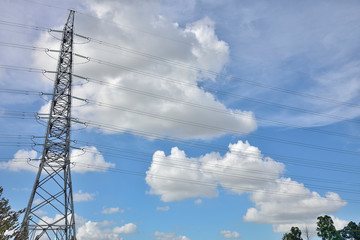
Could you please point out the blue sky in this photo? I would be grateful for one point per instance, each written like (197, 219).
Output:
(204, 119)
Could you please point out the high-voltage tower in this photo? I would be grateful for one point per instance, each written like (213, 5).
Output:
(52, 192)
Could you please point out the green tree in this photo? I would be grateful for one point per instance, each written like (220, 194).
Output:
(9, 226)
(351, 231)
(294, 234)
(326, 229)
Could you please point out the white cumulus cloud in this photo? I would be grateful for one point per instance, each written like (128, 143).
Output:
(101, 231)
(230, 235)
(93, 230)
(23, 160)
(177, 177)
(169, 236)
(89, 159)
(81, 196)
(243, 169)
(339, 223)
(128, 228)
(287, 202)
(150, 94)
(173, 177)
(111, 210)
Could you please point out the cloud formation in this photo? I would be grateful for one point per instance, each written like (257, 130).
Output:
(23, 160)
(173, 177)
(311, 53)
(101, 231)
(243, 169)
(287, 201)
(128, 228)
(169, 236)
(81, 196)
(87, 159)
(177, 177)
(152, 94)
(112, 210)
(227, 234)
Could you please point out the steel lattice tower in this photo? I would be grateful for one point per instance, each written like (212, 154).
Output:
(52, 192)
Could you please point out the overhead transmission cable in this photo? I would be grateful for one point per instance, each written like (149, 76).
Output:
(313, 163)
(211, 168)
(152, 75)
(287, 159)
(209, 184)
(217, 74)
(155, 135)
(119, 129)
(191, 67)
(254, 83)
(26, 26)
(310, 164)
(127, 109)
(205, 183)
(21, 46)
(153, 95)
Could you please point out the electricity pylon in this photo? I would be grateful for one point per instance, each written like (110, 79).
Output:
(52, 192)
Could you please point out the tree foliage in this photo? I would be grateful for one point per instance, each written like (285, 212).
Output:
(294, 234)
(9, 226)
(351, 231)
(326, 229)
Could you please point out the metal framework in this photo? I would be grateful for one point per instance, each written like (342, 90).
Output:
(52, 192)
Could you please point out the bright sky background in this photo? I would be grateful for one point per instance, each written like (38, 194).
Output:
(205, 119)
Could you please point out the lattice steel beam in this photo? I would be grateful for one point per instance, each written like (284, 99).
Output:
(52, 192)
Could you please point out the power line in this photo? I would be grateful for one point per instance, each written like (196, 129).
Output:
(209, 184)
(178, 163)
(217, 74)
(28, 115)
(169, 61)
(48, 5)
(27, 47)
(188, 84)
(22, 46)
(152, 75)
(26, 26)
(187, 66)
(24, 69)
(218, 173)
(309, 163)
(204, 183)
(123, 108)
(155, 135)
(211, 171)
(153, 95)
